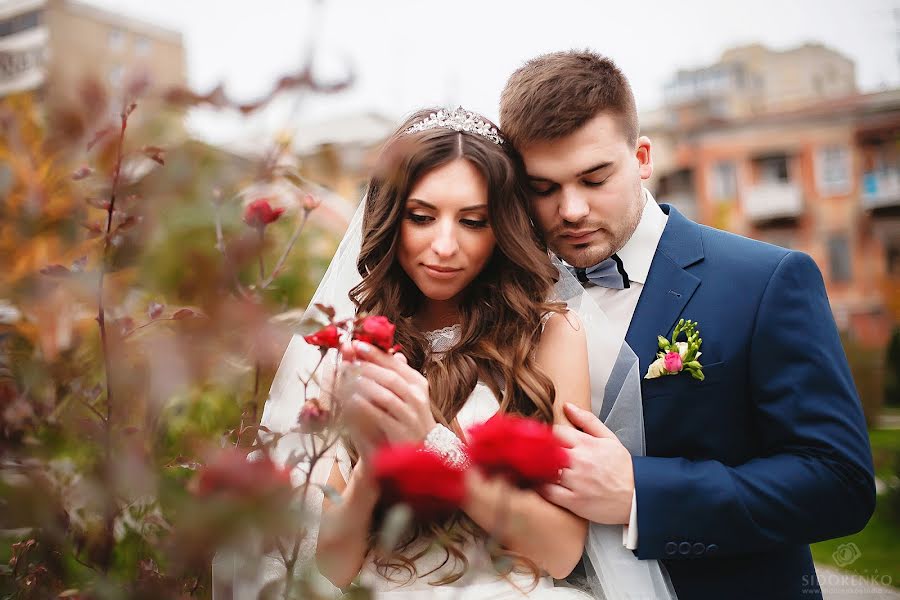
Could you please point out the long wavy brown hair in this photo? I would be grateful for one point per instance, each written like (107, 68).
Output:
(500, 312)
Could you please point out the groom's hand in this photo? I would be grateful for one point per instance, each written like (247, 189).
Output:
(598, 485)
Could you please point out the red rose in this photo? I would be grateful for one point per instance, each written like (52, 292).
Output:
(260, 213)
(524, 451)
(327, 337)
(230, 473)
(377, 330)
(313, 416)
(409, 473)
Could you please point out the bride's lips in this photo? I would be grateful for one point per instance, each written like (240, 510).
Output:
(439, 272)
(579, 237)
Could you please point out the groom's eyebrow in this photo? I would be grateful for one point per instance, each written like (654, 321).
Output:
(595, 168)
(588, 171)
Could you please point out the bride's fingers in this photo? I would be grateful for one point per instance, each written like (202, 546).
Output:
(386, 378)
(382, 419)
(373, 355)
(385, 399)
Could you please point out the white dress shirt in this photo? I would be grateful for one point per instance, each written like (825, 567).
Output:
(619, 305)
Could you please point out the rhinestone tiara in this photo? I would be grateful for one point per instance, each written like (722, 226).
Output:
(458, 119)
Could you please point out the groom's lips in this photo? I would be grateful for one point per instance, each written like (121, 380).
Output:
(439, 272)
(579, 237)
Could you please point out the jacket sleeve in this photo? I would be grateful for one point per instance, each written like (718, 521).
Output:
(813, 477)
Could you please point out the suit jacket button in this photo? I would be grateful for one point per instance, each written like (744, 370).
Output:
(684, 548)
(671, 548)
(712, 549)
(699, 548)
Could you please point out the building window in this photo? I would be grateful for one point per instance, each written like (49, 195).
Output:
(833, 170)
(772, 169)
(724, 181)
(18, 23)
(116, 39)
(116, 74)
(893, 258)
(142, 46)
(839, 259)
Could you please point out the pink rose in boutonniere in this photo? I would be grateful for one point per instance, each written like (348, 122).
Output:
(674, 356)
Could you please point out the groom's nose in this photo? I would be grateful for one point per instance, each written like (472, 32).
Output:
(573, 206)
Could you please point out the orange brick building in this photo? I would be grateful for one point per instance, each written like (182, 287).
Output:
(821, 175)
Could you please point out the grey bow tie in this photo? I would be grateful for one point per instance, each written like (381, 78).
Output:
(609, 273)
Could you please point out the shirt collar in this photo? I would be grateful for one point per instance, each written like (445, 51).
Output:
(637, 253)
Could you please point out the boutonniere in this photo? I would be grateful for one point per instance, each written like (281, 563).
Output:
(674, 356)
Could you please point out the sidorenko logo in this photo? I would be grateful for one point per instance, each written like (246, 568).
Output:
(846, 554)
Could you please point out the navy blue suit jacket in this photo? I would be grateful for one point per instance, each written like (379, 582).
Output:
(770, 453)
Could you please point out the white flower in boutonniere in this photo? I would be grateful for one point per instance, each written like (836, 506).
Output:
(674, 356)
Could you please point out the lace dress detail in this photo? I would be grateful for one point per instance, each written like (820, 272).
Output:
(445, 338)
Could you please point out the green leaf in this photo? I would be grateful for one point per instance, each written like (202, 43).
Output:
(697, 374)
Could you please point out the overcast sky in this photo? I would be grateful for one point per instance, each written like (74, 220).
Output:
(412, 53)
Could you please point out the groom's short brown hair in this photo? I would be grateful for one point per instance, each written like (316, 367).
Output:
(553, 95)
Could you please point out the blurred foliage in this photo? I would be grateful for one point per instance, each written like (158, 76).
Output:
(868, 369)
(892, 370)
(140, 327)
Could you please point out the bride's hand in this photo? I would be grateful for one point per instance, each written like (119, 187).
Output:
(393, 395)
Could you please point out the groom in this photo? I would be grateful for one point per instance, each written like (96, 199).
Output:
(768, 453)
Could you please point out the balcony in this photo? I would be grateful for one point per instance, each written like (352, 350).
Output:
(881, 189)
(773, 200)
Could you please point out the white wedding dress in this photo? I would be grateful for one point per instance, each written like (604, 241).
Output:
(480, 581)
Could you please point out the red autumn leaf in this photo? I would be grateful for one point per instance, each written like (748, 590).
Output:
(101, 203)
(328, 311)
(408, 473)
(523, 451)
(55, 271)
(125, 324)
(229, 473)
(94, 229)
(127, 223)
(155, 153)
(102, 133)
(375, 330)
(185, 313)
(155, 310)
(82, 173)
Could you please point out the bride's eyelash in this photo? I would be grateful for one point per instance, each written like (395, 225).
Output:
(418, 219)
(475, 223)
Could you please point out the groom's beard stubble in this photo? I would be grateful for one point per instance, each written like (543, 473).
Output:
(608, 240)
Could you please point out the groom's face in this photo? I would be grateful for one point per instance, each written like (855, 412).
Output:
(586, 189)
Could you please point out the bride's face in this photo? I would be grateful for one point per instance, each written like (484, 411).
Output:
(445, 237)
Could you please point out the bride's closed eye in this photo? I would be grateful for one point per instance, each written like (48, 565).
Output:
(474, 223)
(419, 219)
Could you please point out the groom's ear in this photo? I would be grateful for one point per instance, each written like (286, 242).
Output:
(645, 160)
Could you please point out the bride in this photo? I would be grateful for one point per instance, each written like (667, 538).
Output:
(443, 247)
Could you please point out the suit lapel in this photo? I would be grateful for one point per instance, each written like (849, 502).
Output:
(669, 286)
